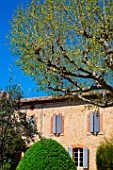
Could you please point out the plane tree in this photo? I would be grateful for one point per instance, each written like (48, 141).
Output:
(66, 46)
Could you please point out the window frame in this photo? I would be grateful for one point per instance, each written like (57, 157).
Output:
(62, 124)
(78, 157)
(88, 122)
(85, 154)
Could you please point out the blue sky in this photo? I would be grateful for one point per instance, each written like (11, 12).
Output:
(7, 9)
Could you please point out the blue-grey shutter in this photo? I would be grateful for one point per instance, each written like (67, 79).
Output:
(54, 124)
(96, 122)
(33, 120)
(70, 150)
(59, 124)
(85, 157)
(91, 123)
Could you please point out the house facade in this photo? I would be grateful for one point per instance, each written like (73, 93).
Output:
(77, 126)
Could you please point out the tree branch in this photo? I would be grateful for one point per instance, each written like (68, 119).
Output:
(107, 104)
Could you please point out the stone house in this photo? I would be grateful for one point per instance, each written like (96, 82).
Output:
(76, 125)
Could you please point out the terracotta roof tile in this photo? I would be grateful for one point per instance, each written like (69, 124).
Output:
(36, 99)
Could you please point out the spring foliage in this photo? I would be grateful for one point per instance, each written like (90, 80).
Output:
(46, 154)
(66, 46)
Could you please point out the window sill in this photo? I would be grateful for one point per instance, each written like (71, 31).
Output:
(62, 134)
(100, 133)
(80, 168)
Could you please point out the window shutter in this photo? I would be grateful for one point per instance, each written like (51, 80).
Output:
(54, 124)
(33, 120)
(96, 122)
(85, 157)
(70, 150)
(59, 124)
(91, 123)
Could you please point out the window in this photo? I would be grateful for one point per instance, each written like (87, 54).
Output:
(31, 121)
(94, 122)
(80, 156)
(57, 124)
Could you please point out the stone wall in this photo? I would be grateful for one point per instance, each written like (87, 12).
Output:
(75, 125)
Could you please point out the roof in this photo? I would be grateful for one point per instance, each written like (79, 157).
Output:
(70, 98)
(45, 99)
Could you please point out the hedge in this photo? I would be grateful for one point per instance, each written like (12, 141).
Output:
(46, 154)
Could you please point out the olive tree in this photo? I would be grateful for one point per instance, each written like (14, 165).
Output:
(15, 130)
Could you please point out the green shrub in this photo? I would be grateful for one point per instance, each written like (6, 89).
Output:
(46, 154)
(9, 149)
(104, 155)
(6, 164)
